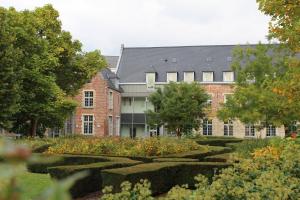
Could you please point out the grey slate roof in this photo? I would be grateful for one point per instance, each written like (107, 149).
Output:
(136, 61)
(111, 78)
(112, 61)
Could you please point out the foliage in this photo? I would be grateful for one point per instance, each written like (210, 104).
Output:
(257, 100)
(42, 66)
(140, 191)
(13, 158)
(180, 106)
(285, 20)
(273, 173)
(123, 146)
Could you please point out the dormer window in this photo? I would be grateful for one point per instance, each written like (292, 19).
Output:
(150, 80)
(189, 77)
(228, 76)
(208, 76)
(171, 77)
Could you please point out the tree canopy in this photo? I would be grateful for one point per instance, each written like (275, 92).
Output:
(41, 66)
(257, 99)
(179, 106)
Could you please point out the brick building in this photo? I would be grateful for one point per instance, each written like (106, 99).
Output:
(98, 110)
(143, 69)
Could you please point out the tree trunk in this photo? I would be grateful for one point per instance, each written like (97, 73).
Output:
(33, 127)
(178, 132)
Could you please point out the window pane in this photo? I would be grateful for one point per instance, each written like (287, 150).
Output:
(189, 77)
(172, 76)
(150, 80)
(228, 76)
(208, 77)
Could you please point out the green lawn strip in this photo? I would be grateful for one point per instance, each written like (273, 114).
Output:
(33, 184)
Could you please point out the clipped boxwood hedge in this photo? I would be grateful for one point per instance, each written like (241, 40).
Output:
(175, 160)
(226, 157)
(64, 159)
(93, 181)
(162, 175)
(200, 154)
(218, 141)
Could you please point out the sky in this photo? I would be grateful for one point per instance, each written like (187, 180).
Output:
(106, 24)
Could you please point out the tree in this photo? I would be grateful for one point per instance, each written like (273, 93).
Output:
(257, 99)
(285, 21)
(178, 106)
(52, 67)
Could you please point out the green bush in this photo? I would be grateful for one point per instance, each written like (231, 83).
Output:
(226, 157)
(162, 175)
(245, 148)
(92, 182)
(175, 160)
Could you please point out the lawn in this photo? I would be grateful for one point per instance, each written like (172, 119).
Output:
(33, 184)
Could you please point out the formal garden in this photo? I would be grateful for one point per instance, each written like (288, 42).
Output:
(163, 168)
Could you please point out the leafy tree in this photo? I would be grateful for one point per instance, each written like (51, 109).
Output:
(257, 99)
(180, 107)
(52, 66)
(285, 21)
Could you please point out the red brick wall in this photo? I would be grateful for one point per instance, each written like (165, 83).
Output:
(217, 91)
(100, 109)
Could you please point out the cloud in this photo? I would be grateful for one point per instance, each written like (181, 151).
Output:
(106, 24)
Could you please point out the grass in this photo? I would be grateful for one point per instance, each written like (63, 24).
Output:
(33, 184)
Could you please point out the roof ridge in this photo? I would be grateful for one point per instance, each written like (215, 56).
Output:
(213, 45)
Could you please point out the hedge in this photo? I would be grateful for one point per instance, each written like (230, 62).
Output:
(93, 181)
(226, 157)
(200, 154)
(63, 159)
(175, 160)
(218, 141)
(162, 175)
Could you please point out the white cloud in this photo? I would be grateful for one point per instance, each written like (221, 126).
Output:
(105, 24)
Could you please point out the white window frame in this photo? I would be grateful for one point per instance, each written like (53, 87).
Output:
(88, 124)
(271, 131)
(118, 125)
(250, 130)
(110, 125)
(204, 77)
(207, 127)
(228, 128)
(225, 96)
(89, 99)
(232, 76)
(150, 86)
(110, 99)
(185, 77)
(169, 75)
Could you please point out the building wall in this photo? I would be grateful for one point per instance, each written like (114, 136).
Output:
(218, 91)
(100, 109)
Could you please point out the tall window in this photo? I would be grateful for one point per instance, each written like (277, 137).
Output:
(117, 125)
(150, 80)
(228, 128)
(249, 130)
(271, 130)
(208, 76)
(88, 124)
(228, 76)
(110, 100)
(88, 98)
(189, 77)
(171, 77)
(207, 127)
(110, 125)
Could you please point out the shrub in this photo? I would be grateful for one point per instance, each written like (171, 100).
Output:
(123, 146)
(217, 141)
(93, 181)
(162, 175)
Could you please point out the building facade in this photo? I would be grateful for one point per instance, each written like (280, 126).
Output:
(141, 70)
